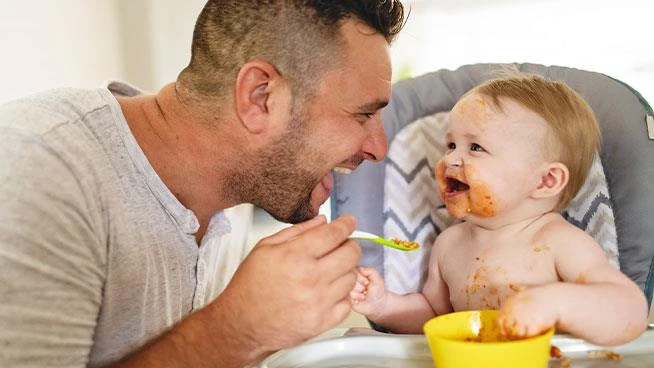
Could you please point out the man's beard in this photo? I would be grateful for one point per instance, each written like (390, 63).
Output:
(276, 178)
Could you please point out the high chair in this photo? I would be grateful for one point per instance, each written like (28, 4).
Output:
(399, 197)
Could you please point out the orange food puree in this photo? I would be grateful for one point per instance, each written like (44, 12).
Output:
(478, 200)
(406, 243)
(487, 334)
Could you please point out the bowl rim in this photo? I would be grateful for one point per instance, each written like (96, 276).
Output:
(545, 335)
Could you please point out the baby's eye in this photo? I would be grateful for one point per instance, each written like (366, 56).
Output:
(477, 148)
(451, 146)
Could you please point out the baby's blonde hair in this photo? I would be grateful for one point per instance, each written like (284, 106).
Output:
(570, 117)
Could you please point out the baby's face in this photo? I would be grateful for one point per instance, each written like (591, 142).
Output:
(492, 158)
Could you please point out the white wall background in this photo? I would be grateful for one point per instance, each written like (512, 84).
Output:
(48, 43)
(53, 43)
(607, 36)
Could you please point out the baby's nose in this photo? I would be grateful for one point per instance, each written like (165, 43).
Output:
(453, 159)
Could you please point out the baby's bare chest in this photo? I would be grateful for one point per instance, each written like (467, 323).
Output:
(481, 278)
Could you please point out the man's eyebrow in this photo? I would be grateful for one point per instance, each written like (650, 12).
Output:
(373, 106)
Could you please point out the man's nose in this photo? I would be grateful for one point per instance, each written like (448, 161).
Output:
(375, 146)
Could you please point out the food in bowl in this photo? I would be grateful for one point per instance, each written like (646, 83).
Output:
(473, 339)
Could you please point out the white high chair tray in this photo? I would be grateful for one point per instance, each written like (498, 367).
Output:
(411, 351)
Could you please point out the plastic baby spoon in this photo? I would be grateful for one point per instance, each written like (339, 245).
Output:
(398, 244)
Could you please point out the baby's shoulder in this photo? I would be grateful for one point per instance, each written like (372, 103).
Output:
(451, 235)
(555, 229)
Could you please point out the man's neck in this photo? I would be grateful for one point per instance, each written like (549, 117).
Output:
(181, 149)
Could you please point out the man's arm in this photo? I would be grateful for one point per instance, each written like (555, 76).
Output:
(51, 274)
(291, 287)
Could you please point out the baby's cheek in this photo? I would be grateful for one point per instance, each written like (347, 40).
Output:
(482, 199)
(440, 178)
(482, 202)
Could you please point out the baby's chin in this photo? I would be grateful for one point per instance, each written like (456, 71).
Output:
(456, 212)
(458, 207)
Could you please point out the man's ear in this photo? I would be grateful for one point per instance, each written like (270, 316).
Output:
(252, 94)
(554, 178)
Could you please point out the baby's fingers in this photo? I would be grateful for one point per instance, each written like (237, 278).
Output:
(362, 278)
(357, 297)
(360, 287)
(513, 329)
(510, 328)
(371, 274)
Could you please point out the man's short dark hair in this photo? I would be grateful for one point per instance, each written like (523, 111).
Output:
(300, 38)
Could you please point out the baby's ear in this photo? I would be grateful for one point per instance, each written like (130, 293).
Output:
(554, 178)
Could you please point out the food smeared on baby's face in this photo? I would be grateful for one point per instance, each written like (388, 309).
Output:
(473, 108)
(463, 196)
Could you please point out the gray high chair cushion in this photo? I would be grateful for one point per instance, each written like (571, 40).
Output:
(399, 198)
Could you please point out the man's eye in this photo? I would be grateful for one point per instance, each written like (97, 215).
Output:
(363, 117)
(477, 148)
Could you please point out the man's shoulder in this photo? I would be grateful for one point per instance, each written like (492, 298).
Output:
(41, 112)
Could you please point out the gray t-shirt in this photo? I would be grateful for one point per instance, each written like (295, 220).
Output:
(97, 256)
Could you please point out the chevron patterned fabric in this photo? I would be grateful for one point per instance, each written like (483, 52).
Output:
(414, 211)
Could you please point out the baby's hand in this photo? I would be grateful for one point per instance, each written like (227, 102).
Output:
(368, 294)
(527, 313)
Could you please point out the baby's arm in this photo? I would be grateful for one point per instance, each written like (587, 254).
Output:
(595, 301)
(398, 313)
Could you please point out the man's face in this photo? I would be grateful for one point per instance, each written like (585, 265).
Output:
(491, 163)
(338, 128)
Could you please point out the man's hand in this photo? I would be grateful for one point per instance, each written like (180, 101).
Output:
(293, 285)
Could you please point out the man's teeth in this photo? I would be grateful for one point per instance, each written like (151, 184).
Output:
(342, 170)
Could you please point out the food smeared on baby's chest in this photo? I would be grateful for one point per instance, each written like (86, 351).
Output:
(485, 285)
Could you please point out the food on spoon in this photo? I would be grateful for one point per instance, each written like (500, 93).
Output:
(406, 243)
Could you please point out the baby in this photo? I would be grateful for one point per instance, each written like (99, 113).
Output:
(518, 150)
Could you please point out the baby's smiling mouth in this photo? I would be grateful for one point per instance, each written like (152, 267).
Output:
(455, 186)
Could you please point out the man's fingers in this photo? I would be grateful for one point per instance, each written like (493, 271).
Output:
(341, 287)
(292, 231)
(341, 260)
(340, 311)
(339, 293)
(330, 236)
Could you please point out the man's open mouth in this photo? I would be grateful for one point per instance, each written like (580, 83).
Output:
(455, 186)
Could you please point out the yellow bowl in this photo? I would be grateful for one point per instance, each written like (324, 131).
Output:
(472, 339)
